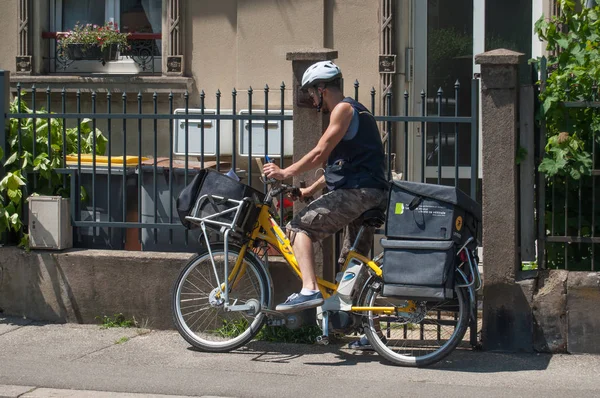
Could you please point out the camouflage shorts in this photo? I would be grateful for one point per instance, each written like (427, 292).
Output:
(336, 210)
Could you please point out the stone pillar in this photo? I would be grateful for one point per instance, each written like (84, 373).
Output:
(507, 315)
(308, 127)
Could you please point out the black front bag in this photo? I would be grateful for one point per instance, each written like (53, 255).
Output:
(214, 184)
(426, 225)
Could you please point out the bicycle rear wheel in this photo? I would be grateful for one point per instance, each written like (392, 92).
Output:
(420, 338)
(198, 306)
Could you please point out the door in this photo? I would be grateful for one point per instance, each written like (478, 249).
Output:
(447, 33)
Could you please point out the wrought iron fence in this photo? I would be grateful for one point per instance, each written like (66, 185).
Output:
(567, 215)
(113, 196)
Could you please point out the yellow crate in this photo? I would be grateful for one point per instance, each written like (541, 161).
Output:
(87, 160)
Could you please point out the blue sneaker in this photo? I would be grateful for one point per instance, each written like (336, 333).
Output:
(364, 344)
(298, 302)
(360, 344)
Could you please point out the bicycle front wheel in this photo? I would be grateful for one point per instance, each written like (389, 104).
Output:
(419, 338)
(198, 304)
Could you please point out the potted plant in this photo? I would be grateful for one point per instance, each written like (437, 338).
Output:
(92, 42)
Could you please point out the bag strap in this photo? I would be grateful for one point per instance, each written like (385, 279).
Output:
(415, 203)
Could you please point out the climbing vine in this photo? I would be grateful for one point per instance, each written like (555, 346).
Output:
(572, 126)
(573, 74)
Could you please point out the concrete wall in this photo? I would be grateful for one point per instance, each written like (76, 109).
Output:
(78, 286)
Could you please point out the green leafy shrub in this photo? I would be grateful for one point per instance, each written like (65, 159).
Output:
(574, 70)
(21, 168)
(573, 67)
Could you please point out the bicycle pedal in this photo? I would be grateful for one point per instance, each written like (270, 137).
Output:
(275, 322)
(273, 313)
(322, 340)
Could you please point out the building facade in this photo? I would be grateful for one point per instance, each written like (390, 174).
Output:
(406, 47)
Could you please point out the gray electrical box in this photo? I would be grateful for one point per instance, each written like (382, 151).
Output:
(49, 223)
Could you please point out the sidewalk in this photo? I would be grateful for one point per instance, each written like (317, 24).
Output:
(71, 360)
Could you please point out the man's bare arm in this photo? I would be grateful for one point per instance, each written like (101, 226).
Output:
(338, 125)
(315, 187)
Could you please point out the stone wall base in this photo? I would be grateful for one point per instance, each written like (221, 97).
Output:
(81, 286)
(566, 312)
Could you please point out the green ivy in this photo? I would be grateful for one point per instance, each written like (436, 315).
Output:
(16, 184)
(566, 157)
(573, 40)
(574, 71)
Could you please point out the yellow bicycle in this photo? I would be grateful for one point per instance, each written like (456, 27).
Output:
(223, 296)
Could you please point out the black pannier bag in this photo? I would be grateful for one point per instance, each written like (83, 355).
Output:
(418, 270)
(210, 182)
(428, 211)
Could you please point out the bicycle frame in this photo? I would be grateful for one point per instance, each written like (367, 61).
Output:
(268, 230)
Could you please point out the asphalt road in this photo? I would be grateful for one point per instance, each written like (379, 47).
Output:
(46, 360)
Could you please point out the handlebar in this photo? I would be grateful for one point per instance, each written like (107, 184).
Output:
(282, 188)
(285, 188)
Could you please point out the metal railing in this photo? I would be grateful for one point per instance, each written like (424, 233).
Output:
(111, 196)
(568, 224)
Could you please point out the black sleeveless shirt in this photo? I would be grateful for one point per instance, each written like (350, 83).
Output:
(359, 162)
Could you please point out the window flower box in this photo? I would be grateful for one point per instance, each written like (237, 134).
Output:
(93, 42)
(78, 52)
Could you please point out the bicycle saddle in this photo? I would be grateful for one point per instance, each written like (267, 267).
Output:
(373, 218)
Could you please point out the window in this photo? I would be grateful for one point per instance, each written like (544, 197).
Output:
(143, 18)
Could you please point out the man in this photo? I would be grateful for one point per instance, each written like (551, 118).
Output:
(355, 175)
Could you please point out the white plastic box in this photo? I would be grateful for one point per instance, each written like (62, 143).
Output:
(195, 133)
(50, 223)
(258, 135)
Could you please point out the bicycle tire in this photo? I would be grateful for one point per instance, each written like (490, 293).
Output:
(385, 346)
(228, 334)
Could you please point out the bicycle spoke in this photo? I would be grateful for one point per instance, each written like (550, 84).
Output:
(423, 335)
(200, 310)
(203, 308)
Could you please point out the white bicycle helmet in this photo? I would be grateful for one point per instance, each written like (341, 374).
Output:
(320, 72)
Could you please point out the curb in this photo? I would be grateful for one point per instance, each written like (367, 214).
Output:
(8, 391)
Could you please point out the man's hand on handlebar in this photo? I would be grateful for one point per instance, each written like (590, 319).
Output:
(300, 194)
(271, 170)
